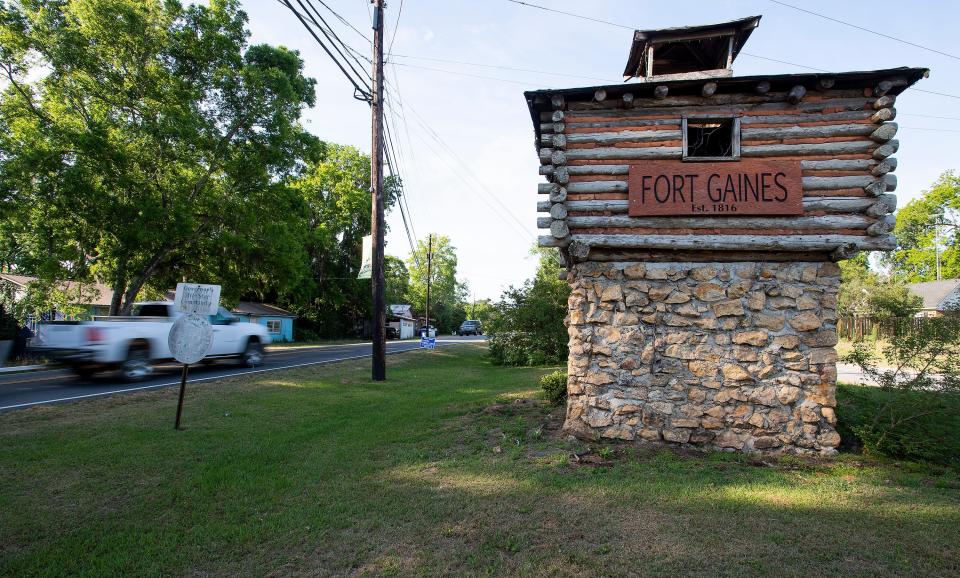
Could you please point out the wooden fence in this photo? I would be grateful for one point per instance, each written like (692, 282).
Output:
(859, 327)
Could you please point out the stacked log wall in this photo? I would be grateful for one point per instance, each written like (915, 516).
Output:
(844, 140)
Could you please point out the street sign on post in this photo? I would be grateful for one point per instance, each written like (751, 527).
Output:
(191, 336)
(197, 298)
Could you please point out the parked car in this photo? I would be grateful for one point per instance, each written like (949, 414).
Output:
(427, 331)
(470, 327)
(134, 343)
(392, 332)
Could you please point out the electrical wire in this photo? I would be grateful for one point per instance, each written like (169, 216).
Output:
(500, 67)
(462, 73)
(580, 16)
(358, 90)
(881, 34)
(396, 28)
(330, 35)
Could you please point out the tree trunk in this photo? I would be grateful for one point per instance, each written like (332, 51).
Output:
(119, 286)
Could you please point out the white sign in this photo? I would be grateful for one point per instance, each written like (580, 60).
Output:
(190, 338)
(196, 298)
(366, 264)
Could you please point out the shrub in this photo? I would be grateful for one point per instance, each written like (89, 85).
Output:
(910, 413)
(526, 326)
(554, 386)
(8, 326)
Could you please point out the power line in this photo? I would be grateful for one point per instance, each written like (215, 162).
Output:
(499, 67)
(345, 21)
(328, 34)
(580, 16)
(396, 28)
(479, 185)
(358, 90)
(462, 73)
(845, 23)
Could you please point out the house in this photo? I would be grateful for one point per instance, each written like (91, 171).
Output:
(79, 300)
(401, 318)
(938, 296)
(279, 322)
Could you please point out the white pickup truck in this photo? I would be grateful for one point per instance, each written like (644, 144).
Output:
(134, 343)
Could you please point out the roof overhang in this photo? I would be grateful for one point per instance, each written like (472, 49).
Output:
(704, 47)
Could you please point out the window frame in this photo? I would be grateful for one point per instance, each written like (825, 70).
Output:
(734, 138)
(279, 325)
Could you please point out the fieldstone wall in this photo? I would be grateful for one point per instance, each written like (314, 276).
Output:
(725, 355)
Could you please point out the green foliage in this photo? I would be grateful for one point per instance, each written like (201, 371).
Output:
(918, 387)
(8, 326)
(142, 141)
(933, 439)
(554, 386)
(863, 292)
(527, 326)
(334, 187)
(446, 292)
(915, 257)
(397, 280)
(894, 300)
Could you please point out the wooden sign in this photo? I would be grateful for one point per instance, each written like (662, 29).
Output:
(749, 187)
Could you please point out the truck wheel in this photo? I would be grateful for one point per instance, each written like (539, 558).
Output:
(136, 366)
(81, 371)
(252, 355)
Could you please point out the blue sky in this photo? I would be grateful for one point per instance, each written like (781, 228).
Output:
(483, 194)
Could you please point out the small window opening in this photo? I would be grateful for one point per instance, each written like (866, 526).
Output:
(711, 139)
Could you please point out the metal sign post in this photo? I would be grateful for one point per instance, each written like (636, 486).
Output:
(191, 336)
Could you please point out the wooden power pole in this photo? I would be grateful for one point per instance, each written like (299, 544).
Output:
(376, 210)
(429, 277)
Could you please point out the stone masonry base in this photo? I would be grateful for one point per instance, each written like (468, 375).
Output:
(720, 355)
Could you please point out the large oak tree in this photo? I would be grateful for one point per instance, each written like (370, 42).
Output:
(141, 141)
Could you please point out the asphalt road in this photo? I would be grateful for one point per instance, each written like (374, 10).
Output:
(20, 390)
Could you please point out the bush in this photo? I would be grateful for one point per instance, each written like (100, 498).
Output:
(554, 386)
(8, 326)
(934, 439)
(526, 327)
(912, 414)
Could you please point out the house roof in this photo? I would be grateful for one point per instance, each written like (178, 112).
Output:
(260, 309)
(404, 311)
(99, 293)
(704, 47)
(934, 292)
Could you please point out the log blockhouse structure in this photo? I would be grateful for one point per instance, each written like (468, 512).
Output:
(699, 215)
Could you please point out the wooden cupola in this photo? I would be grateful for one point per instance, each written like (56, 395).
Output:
(688, 53)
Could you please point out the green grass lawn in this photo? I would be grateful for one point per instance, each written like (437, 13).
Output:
(444, 469)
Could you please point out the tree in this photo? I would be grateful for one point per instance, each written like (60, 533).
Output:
(915, 257)
(446, 292)
(528, 325)
(141, 140)
(397, 280)
(334, 186)
(856, 280)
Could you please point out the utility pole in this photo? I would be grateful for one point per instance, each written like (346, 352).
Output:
(376, 211)
(429, 277)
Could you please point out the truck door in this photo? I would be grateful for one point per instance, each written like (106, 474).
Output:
(224, 333)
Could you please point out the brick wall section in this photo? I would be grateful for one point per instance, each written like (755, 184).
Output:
(725, 355)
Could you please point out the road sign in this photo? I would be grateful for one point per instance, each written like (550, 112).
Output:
(366, 262)
(428, 343)
(190, 338)
(197, 298)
